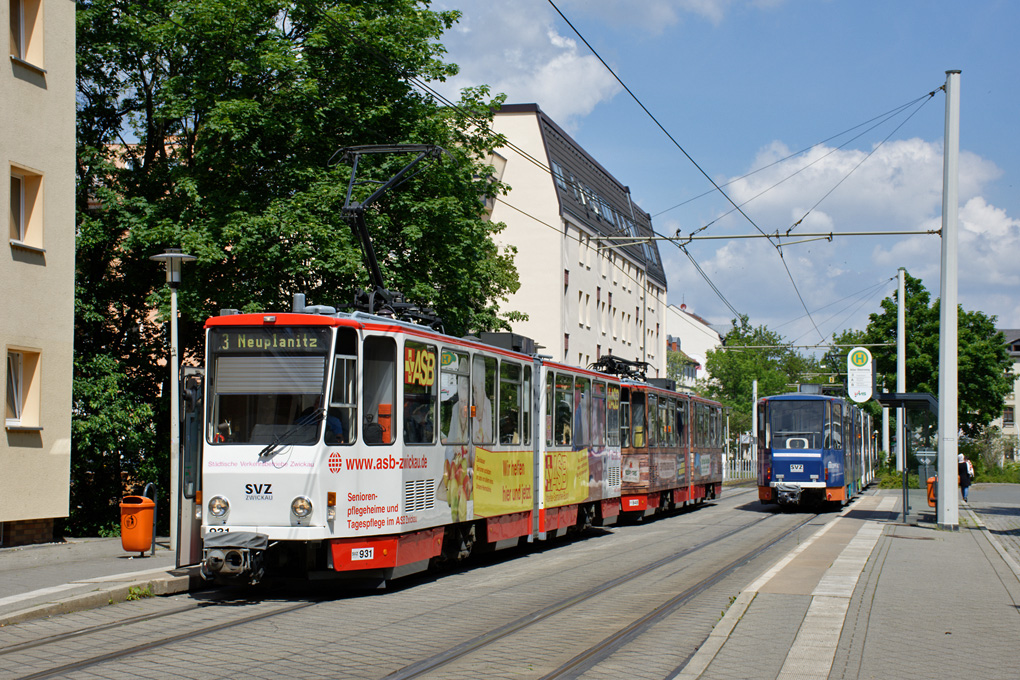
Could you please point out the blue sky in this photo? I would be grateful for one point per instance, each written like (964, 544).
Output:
(742, 84)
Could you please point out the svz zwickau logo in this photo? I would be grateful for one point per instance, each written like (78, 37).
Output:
(258, 492)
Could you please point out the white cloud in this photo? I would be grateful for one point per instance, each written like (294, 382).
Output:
(521, 53)
(898, 189)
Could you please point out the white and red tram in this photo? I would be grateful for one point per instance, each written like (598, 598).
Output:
(360, 446)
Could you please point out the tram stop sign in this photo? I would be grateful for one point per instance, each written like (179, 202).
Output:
(860, 374)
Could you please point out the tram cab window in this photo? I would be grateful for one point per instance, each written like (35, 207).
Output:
(653, 420)
(613, 416)
(379, 386)
(267, 384)
(510, 394)
(625, 418)
(637, 409)
(341, 418)
(483, 397)
(563, 420)
(455, 398)
(420, 375)
(582, 411)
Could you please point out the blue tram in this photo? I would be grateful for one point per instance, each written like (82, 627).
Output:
(813, 448)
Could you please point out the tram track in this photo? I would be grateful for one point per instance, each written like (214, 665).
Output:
(606, 646)
(581, 661)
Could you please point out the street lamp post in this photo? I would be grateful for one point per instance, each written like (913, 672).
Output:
(173, 258)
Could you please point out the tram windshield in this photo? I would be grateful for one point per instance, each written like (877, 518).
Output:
(797, 424)
(267, 384)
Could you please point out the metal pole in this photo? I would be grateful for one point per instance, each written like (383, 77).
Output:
(948, 510)
(754, 422)
(901, 364)
(885, 430)
(175, 434)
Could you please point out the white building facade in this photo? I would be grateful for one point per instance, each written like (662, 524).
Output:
(37, 152)
(591, 277)
(694, 337)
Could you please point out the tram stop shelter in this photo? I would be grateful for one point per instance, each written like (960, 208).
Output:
(908, 401)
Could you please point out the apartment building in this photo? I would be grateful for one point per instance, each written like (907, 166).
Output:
(689, 333)
(37, 152)
(592, 281)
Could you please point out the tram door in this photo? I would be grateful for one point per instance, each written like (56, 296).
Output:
(189, 526)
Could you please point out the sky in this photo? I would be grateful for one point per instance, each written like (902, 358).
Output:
(843, 86)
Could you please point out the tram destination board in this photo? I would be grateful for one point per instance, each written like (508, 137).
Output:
(260, 340)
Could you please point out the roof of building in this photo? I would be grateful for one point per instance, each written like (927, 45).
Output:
(1012, 339)
(590, 196)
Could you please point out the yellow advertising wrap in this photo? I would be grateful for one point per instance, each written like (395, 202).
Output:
(502, 482)
(566, 477)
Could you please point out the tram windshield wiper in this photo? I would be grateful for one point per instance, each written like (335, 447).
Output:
(307, 420)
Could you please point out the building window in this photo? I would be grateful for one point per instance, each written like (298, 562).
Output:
(26, 208)
(22, 389)
(566, 343)
(1007, 416)
(26, 31)
(566, 279)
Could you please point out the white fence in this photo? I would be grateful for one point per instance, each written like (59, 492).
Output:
(739, 468)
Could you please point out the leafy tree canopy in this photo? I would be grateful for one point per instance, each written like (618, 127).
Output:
(983, 361)
(210, 126)
(751, 353)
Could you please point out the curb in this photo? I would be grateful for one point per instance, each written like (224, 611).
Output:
(172, 583)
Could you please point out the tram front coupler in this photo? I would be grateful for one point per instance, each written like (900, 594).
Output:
(788, 494)
(235, 557)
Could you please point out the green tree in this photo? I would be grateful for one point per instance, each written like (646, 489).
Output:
(210, 126)
(733, 369)
(983, 361)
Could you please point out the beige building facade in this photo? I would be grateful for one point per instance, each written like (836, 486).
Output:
(37, 152)
(592, 281)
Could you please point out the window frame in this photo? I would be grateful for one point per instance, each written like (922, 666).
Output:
(26, 389)
(26, 228)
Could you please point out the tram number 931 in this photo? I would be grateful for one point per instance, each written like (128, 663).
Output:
(358, 554)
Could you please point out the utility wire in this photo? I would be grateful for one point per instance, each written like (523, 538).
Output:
(881, 118)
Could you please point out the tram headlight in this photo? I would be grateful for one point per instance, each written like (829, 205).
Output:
(301, 506)
(218, 506)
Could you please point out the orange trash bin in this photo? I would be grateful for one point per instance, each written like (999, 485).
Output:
(932, 490)
(136, 520)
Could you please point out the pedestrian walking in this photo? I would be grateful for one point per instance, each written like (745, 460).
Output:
(966, 471)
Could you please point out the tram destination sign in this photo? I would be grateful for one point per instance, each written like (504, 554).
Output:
(860, 374)
(262, 340)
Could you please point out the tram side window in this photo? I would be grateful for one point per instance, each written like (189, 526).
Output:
(550, 379)
(763, 429)
(526, 397)
(564, 410)
(681, 423)
(341, 419)
(598, 426)
(379, 385)
(653, 420)
(836, 427)
(613, 416)
(637, 413)
(666, 437)
(625, 418)
(419, 393)
(455, 396)
(509, 403)
(483, 394)
(582, 411)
